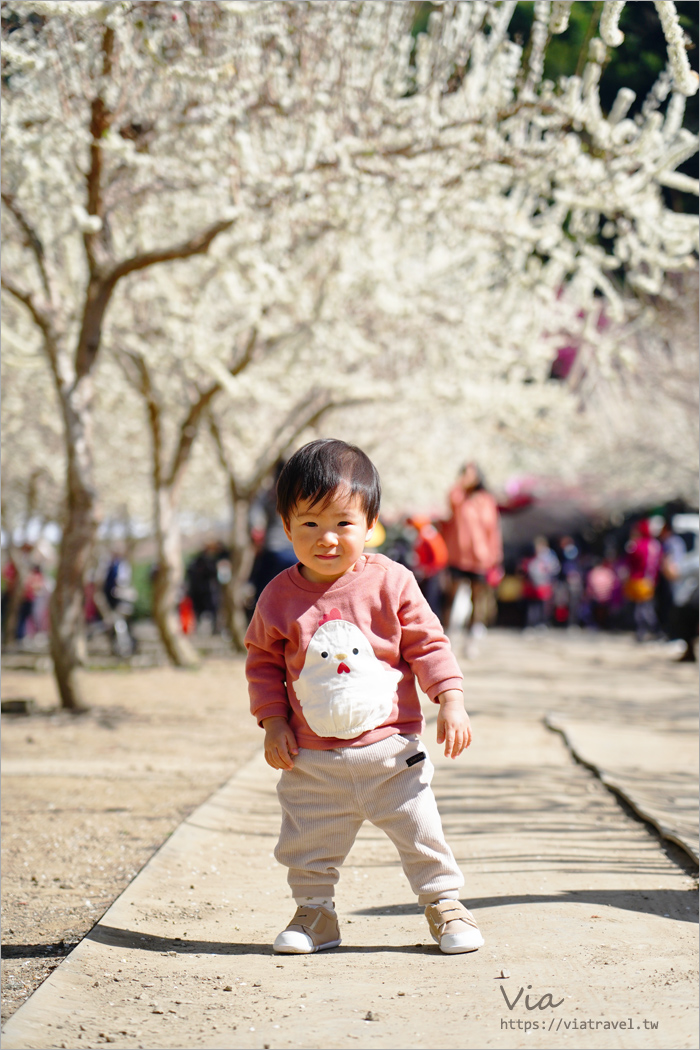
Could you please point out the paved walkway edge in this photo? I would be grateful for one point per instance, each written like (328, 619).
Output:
(613, 785)
(20, 1029)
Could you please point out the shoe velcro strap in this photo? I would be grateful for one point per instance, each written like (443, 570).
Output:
(448, 911)
(307, 918)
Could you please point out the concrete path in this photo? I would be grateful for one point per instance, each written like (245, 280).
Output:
(581, 905)
(633, 762)
(628, 712)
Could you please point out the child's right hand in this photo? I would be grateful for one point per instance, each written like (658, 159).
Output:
(280, 743)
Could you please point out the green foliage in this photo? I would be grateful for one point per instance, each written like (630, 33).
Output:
(640, 58)
(141, 582)
(420, 19)
(563, 51)
(636, 63)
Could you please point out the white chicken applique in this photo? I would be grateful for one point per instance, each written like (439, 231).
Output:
(343, 689)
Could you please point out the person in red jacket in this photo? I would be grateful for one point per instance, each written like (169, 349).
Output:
(430, 554)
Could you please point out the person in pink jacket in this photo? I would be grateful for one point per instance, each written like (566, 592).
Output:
(474, 545)
(334, 648)
(643, 562)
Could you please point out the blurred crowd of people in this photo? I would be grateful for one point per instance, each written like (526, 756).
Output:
(647, 582)
(26, 590)
(642, 579)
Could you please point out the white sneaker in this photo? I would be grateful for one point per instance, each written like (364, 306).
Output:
(311, 930)
(453, 927)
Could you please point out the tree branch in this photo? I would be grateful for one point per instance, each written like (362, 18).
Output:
(33, 240)
(188, 432)
(101, 289)
(195, 245)
(236, 489)
(140, 378)
(233, 483)
(247, 356)
(41, 314)
(304, 414)
(100, 122)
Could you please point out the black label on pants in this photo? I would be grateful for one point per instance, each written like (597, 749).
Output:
(415, 758)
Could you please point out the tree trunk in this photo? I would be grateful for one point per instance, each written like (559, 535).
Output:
(79, 529)
(168, 581)
(242, 554)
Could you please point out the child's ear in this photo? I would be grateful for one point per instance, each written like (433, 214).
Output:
(287, 531)
(370, 528)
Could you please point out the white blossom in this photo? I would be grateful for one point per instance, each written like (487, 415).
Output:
(684, 78)
(561, 11)
(609, 19)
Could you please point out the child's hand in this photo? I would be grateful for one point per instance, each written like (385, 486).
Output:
(280, 743)
(453, 727)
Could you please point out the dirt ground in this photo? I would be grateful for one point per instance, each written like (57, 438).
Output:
(87, 800)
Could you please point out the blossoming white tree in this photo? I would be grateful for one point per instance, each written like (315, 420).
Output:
(207, 356)
(71, 176)
(140, 135)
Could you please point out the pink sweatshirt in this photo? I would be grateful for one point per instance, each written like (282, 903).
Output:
(338, 659)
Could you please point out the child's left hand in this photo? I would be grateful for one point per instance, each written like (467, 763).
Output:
(453, 728)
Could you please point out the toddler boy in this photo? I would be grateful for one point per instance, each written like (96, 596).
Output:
(333, 647)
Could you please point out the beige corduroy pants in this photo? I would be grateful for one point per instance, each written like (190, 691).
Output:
(328, 795)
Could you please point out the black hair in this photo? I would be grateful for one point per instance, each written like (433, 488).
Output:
(480, 484)
(319, 469)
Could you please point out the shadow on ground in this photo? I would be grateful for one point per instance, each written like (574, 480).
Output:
(671, 904)
(118, 938)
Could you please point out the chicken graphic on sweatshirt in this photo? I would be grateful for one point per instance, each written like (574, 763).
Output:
(343, 689)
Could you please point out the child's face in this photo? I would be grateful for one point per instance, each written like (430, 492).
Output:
(328, 540)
